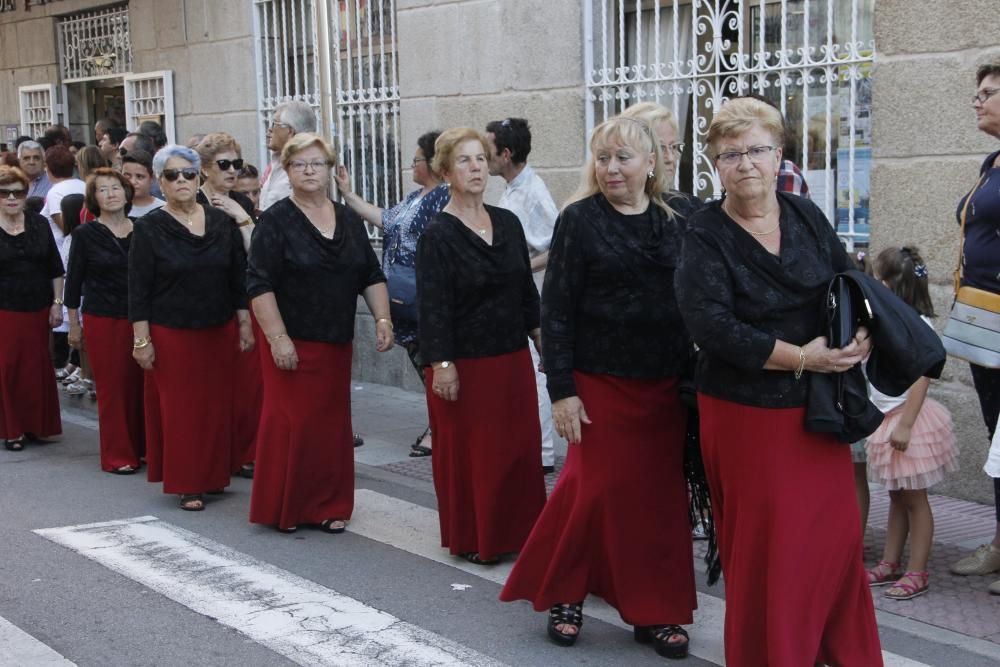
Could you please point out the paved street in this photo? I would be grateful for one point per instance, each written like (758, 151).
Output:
(97, 569)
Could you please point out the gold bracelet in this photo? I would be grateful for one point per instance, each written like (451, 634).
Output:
(802, 364)
(57, 301)
(140, 342)
(277, 336)
(245, 223)
(387, 320)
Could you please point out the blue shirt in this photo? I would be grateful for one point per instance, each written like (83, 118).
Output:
(981, 250)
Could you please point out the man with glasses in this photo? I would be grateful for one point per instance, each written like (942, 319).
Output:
(31, 157)
(288, 120)
(528, 197)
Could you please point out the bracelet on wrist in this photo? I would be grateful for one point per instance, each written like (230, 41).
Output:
(57, 301)
(140, 342)
(387, 321)
(802, 364)
(276, 336)
(441, 364)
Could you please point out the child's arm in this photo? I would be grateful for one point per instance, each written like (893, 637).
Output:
(900, 437)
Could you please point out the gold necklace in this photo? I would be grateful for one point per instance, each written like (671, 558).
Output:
(750, 231)
(186, 220)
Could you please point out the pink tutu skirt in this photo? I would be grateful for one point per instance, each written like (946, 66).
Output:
(932, 452)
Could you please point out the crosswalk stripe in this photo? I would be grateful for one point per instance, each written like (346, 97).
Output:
(18, 648)
(414, 528)
(297, 618)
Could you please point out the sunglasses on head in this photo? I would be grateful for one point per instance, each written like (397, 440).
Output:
(189, 174)
(19, 193)
(224, 165)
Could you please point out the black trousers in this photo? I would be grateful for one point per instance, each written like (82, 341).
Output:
(987, 383)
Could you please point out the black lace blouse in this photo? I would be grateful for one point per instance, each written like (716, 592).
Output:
(315, 280)
(608, 302)
(29, 261)
(177, 279)
(98, 271)
(738, 299)
(476, 299)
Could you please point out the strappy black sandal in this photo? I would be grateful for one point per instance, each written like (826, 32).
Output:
(327, 526)
(15, 445)
(416, 449)
(659, 636)
(565, 614)
(474, 558)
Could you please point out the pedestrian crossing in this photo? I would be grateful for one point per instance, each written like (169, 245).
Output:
(18, 648)
(308, 623)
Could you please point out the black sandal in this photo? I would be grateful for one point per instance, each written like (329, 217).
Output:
(416, 449)
(659, 636)
(474, 558)
(246, 470)
(125, 470)
(15, 445)
(193, 502)
(565, 614)
(327, 526)
(286, 530)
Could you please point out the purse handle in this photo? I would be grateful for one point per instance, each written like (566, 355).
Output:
(961, 242)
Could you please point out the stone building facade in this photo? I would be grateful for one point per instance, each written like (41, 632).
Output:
(909, 127)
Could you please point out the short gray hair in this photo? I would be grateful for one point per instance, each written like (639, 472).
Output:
(29, 146)
(173, 150)
(299, 115)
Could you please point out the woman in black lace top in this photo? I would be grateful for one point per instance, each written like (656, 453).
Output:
(310, 259)
(478, 305)
(97, 276)
(188, 307)
(30, 305)
(614, 346)
(751, 288)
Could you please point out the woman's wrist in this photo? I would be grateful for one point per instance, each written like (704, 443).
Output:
(384, 320)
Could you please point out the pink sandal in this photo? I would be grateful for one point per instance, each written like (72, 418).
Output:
(883, 573)
(911, 584)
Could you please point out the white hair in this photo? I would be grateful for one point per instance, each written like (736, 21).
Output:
(299, 115)
(173, 150)
(28, 146)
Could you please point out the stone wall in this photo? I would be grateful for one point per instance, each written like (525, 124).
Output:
(927, 152)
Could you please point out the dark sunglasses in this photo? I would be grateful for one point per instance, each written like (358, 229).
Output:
(224, 165)
(172, 175)
(18, 194)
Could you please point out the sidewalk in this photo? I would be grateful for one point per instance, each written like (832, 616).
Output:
(390, 419)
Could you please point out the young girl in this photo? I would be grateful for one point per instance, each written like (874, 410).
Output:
(912, 449)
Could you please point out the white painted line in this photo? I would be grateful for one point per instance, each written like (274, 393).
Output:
(18, 648)
(415, 529)
(303, 621)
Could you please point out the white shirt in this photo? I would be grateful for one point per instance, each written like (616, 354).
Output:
(884, 402)
(276, 187)
(53, 203)
(139, 211)
(528, 198)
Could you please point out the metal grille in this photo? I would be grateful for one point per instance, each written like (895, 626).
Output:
(150, 96)
(38, 108)
(339, 56)
(811, 58)
(94, 44)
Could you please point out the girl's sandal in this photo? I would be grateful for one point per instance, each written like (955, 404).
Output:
(883, 573)
(909, 586)
(565, 614)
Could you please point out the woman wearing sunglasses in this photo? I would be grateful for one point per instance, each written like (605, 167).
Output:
(30, 278)
(220, 167)
(186, 282)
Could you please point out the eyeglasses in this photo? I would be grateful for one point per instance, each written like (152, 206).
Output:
(299, 165)
(189, 174)
(416, 160)
(224, 165)
(755, 153)
(276, 124)
(676, 148)
(984, 95)
(19, 193)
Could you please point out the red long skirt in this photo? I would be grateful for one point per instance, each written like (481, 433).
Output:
(305, 451)
(189, 407)
(249, 398)
(487, 452)
(617, 525)
(787, 523)
(29, 400)
(118, 381)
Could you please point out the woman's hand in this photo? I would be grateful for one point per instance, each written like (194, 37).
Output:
(445, 382)
(384, 337)
(145, 356)
(343, 179)
(229, 205)
(568, 414)
(55, 316)
(247, 341)
(900, 438)
(823, 359)
(283, 353)
(75, 336)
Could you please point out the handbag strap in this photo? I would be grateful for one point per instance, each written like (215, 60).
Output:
(961, 241)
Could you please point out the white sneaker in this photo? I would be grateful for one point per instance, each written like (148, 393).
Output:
(71, 378)
(79, 388)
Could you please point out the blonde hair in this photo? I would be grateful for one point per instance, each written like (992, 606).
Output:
(215, 143)
(635, 134)
(302, 141)
(652, 114)
(449, 141)
(740, 115)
